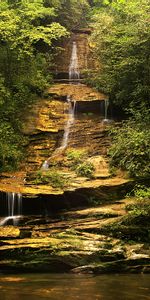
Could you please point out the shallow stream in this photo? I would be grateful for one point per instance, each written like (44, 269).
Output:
(74, 287)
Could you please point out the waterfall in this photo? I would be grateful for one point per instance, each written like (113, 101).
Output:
(74, 74)
(14, 208)
(45, 165)
(73, 66)
(69, 123)
(106, 110)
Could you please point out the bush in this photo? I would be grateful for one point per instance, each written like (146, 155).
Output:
(85, 169)
(11, 147)
(141, 192)
(76, 156)
(52, 177)
(79, 164)
(130, 149)
(142, 205)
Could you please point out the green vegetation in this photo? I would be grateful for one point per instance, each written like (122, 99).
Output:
(141, 208)
(120, 41)
(85, 169)
(141, 192)
(52, 177)
(30, 35)
(142, 205)
(76, 156)
(78, 163)
(130, 149)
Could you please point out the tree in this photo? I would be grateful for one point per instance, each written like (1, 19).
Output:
(121, 38)
(25, 25)
(29, 33)
(70, 13)
(130, 147)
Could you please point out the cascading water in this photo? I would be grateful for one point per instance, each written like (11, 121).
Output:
(14, 208)
(106, 110)
(70, 121)
(45, 165)
(74, 73)
(64, 143)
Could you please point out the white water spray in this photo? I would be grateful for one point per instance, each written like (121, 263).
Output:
(106, 110)
(73, 66)
(14, 208)
(74, 74)
(45, 165)
(69, 123)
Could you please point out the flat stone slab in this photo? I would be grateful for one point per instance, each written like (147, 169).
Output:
(12, 186)
(80, 92)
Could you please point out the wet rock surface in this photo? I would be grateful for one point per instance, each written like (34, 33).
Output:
(78, 92)
(74, 241)
(44, 125)
(71, 221)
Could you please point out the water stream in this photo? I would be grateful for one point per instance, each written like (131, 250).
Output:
(74, 74)
(70, 121)
(106, 110)
(75, 287)
(71, 116)
(73, 66)
(14, 208)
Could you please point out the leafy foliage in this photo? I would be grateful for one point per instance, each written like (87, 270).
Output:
(76, 156)
(85, 169)
(142, 205)
(121, 42)
(29, 30)
(142, 192)
(78, 163)
(10, 151)
(52, 177)
(130, 149)
(70, 13)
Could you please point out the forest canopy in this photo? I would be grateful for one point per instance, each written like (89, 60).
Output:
(121, 37)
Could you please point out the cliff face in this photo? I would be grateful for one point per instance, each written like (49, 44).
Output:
(45, 124)
(83, 162)
(70, 222)
(86, 57)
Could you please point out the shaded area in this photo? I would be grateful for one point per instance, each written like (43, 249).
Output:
(54, 287)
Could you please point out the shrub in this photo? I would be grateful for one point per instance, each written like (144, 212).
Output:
(79, 165)
(52, 177)
(142, 205)
(85, 169)
(76, 156)
(130, 149)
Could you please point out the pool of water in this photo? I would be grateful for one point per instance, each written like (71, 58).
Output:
(74, 287)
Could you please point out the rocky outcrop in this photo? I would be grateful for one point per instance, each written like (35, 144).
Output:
(73, 218)
(78, 92)
(88, 137)
(73, 241)
(86, 57)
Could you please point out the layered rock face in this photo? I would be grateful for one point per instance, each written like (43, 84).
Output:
(93, 234)
(85, 55)
(46, 122)
(45, 127)
(101, 239)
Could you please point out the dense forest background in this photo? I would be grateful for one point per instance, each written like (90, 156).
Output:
(30, 32)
